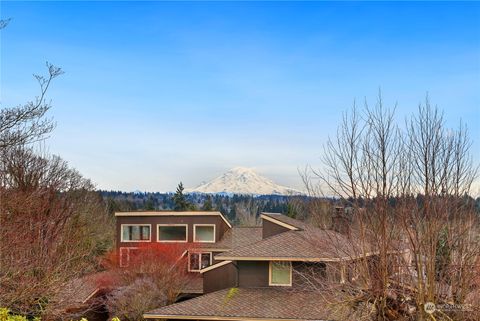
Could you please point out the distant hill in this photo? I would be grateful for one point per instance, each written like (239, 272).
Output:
(242, 181)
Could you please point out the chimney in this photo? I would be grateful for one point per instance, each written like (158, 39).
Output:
(340, 220)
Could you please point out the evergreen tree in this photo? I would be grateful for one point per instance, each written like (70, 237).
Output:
(179, 200)
(291, 211)
(207, 205)
(149, 204)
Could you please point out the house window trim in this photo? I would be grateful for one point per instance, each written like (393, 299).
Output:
(270, 274)
(200, 260)
(172, 241)
(128, 248)
(134, 241)
(195, 233)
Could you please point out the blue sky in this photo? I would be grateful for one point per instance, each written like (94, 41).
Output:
(158, 92)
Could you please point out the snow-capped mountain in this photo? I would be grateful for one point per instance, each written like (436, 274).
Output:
(241, 180)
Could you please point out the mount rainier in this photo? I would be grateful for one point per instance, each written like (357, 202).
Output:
(241, 180)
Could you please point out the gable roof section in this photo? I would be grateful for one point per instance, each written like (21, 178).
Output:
(241, 236)
(247, 304)
(284, 221)
(309, 246)
(214, 266)
(173, 213)
(80, 291)
(235, 237)
(302, 243)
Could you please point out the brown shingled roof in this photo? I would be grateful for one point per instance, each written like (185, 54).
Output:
(236, 237)
(247, 304)
(304, 243)
(318, 245)
(80, 290)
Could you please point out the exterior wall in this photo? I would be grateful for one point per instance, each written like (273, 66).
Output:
(220, 278)
(252, 274)
(305, 272)
(220, 226)
(270, 229)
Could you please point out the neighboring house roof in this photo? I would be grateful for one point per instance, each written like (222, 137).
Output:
(173, 213)
(236, 237)
(81, 292)
(247, 304)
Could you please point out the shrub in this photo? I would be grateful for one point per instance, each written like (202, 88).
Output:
(5, 315)
(130, 302)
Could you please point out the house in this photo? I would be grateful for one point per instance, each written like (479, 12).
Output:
(203, 235)
(263, 279)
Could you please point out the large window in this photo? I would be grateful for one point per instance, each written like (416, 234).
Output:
(280, 273)
(199, 260)
(204, 233)
(172, 233)
(136, 232)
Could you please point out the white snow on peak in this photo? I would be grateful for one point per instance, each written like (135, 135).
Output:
(242, 180)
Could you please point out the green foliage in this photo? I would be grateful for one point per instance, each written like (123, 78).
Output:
(231, 293)
(149, 204)
(207, 205)
(291, 211)
(180, 201)
(6, 315)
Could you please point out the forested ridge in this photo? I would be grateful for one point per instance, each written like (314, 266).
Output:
(228, 205)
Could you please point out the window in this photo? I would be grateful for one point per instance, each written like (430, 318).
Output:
(126, 254)
(136, 232)
(280, 273)
(172, 233)
(204, 233)
(199, 260)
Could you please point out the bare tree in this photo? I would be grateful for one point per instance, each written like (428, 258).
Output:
(247, 213)
(407, 190)
(316, 211)
(130, 302)
(27, 123)
(52, 227)
(4, 23)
